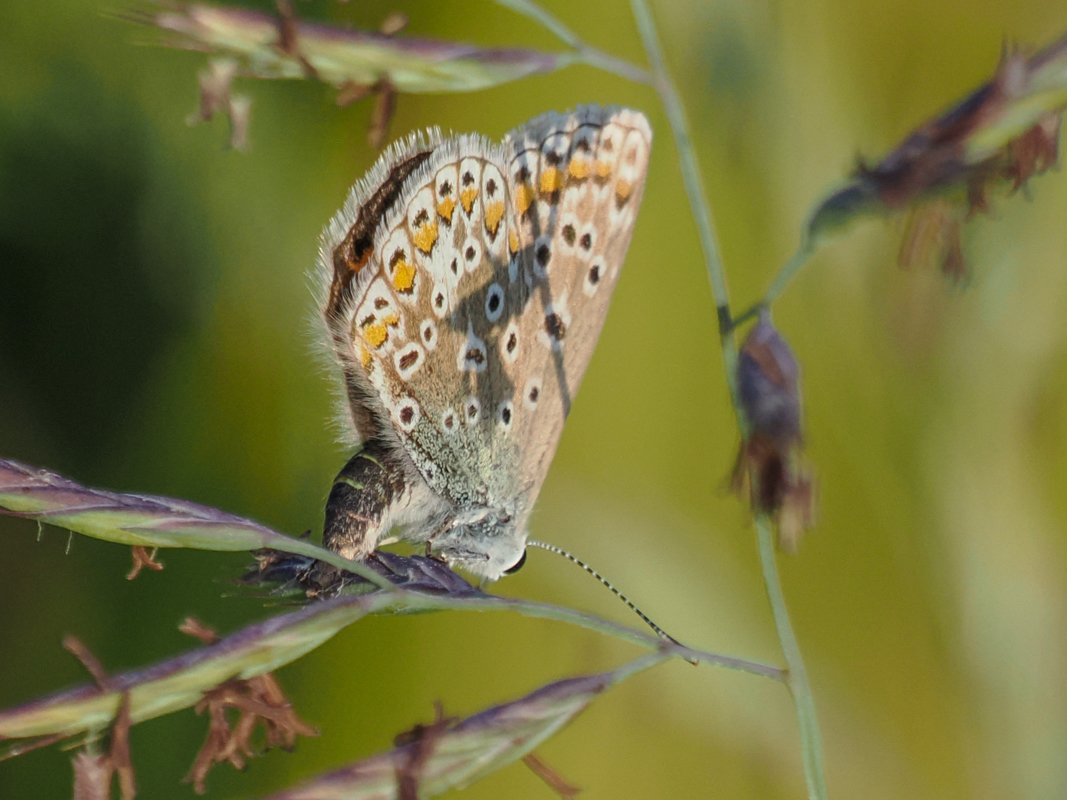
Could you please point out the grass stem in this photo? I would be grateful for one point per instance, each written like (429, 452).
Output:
(797, 675)
(797, 680)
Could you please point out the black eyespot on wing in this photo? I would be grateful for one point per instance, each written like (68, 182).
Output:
(513, 342)
(407, 414)
(470, 253)
(586, 241)
(555, 327)
(569, 234)
(594, 275)
(543, 255)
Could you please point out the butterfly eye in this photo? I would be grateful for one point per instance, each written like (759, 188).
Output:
(517, 566)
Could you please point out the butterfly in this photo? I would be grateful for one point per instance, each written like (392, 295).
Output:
(463, 287)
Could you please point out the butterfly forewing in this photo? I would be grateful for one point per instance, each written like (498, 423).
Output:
(467, 324)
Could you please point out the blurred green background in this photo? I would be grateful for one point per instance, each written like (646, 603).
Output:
(154, 338)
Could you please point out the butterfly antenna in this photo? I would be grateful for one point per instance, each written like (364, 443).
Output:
(561, 552)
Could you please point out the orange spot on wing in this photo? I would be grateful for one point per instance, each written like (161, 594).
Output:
(523, 197)
(364, 357)
(551, 181)
(513, 242)
(424, 237)
(375, 334)
(603, 170)
(445, 209)
(392, 319)
(494, 212)
(358, 264)
(578, 169)
(466, 197)
(404, 274)
(623, 190)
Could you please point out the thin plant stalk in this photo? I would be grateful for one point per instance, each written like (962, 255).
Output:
(810, 738)
(694, 187)
(796, 677)
(782, 280)
(785, 275)
(411, 601)
(586, 54)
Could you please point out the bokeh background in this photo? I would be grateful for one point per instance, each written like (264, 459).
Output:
(154, 338)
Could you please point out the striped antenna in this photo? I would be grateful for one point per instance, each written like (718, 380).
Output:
(561, 552)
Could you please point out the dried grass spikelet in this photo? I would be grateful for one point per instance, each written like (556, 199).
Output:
(770, 467)
(934, 233)
(260, 701)
(447, 754)
(357, 63)
(216, 97)
(411, 759)
(92, 776)
(93, 772)
(143, 558)
(563, 789)
(997, 138)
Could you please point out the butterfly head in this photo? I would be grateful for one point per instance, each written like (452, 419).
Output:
(486, 542)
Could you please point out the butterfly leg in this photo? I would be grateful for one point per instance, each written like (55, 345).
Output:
(363, 494)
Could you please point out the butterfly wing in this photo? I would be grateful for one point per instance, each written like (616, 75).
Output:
(465, 286)
(412, 276)
(577, 180)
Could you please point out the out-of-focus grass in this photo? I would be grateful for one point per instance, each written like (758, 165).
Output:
(153, 339)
